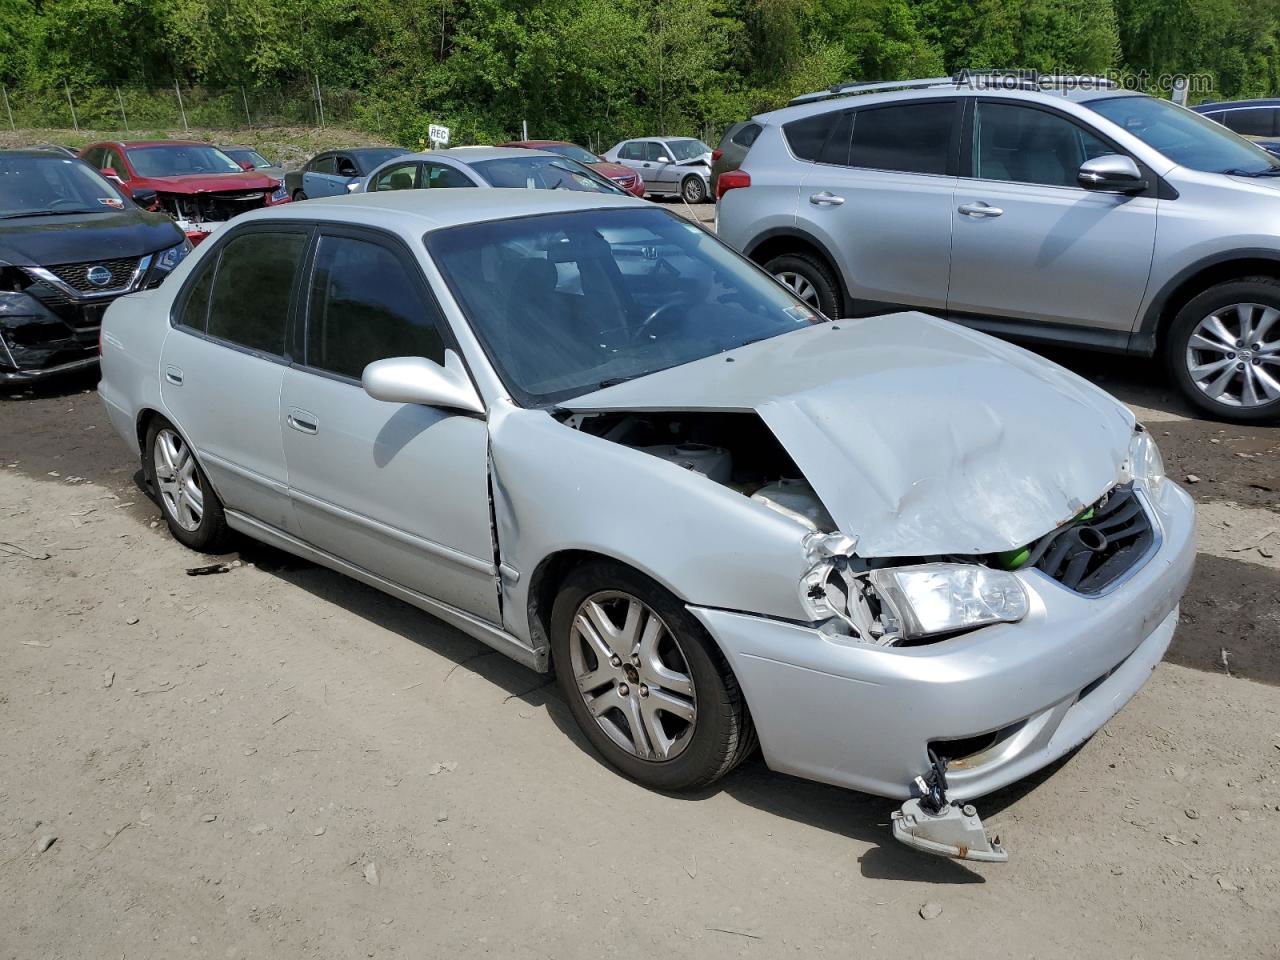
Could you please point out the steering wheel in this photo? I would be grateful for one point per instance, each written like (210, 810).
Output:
(654, 316)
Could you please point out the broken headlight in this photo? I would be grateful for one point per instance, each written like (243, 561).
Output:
(1145, 466)
(932, 598)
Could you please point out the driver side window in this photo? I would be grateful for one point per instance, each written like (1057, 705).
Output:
(656, 152)
(346, 168)
(1024, 145)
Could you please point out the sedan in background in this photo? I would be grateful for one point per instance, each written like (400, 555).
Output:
(1259, 120)
(195, 183)
(336, 172)
(71, 242)
(251, 159)
(486, 167)
(670, 166)
(628, 179)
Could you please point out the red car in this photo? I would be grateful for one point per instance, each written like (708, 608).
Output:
(195, 183)
(624, 177)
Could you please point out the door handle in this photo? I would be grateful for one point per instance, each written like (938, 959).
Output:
(173, 375)
(302, 421)
(980, 210)
(826, 199)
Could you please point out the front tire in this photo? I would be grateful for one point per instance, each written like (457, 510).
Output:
(191, 509)
(298, 196)
(810, 280)
(644, 682)
(1223, 350)
(693, 190)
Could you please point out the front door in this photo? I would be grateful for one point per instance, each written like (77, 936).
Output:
(223, 365)
(399, 489)
(878, 197)
(660, 172)
(1029, 243)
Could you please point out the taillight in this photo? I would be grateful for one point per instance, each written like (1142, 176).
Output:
(716, 155)
(731, 180)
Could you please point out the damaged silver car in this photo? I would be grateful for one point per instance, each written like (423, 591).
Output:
(901, 556)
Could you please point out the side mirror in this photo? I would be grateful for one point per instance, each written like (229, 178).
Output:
(1112, 173)
(418, 380)
(144, 197)
(246, 165)
(110, 173)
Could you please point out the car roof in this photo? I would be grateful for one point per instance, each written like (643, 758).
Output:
(941, 91)
(475, 154)
(35, 153)
(432, 209)
(526, 144)
(127, 144)
(1221, 104)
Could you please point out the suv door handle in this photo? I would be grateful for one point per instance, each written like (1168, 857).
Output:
(302, 421)
(173, 375)
(980, 210)
(826, 199)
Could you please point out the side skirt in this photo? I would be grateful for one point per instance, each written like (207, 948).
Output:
(469, 624)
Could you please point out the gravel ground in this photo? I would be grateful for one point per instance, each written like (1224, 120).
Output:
(277, 762)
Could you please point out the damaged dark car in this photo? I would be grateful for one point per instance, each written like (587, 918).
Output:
(70, 244)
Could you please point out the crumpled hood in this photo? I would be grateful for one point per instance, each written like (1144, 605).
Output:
(920, 436)
(244, 182)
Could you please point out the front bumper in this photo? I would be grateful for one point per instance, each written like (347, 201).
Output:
(36, 342)
(862, 716)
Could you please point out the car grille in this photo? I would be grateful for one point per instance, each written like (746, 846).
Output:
(1091, 554)
(76, 275)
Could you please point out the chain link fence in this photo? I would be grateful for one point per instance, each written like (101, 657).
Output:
(133, 108)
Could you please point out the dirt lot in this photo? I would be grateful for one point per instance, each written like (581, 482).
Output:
(276, 762)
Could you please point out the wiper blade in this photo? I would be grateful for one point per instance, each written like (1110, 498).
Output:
(1237, 172)
(45, 213)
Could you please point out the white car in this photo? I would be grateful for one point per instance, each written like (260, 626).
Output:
(585, 431)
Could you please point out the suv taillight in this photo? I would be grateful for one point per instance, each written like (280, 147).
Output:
(716, 155)
(732, 180)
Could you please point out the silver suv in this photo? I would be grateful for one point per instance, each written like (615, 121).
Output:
(1057, 210)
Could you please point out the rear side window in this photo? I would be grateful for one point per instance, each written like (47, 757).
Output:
(325, 165)
(1253, 122)
(194, 312)
(249, 302)
(402, 176)
(366, 305)
(437, 175)
(807, 136)
(909, 138)
(747, 135)
(632, 151)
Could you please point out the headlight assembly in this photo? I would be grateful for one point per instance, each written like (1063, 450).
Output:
(1145, 466)
(281, 192)
(932, 598)
(166, 260)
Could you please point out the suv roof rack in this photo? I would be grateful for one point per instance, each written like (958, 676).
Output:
(1007, 78)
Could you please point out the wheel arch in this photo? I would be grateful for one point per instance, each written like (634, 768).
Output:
(778, 241)
(1195, 280)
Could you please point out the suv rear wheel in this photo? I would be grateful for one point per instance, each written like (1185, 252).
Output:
(1223, 350)
(810, 280)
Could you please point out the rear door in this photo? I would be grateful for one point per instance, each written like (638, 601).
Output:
(1029, 242)
(223, 365)
(399, 489)
(321, 178)
(878, 195)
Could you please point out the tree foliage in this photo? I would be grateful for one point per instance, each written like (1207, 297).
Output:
(603, 69)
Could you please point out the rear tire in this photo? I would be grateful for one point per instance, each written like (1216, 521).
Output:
(191, 509)
(1223, 350)
(706, 732)
(809, 279)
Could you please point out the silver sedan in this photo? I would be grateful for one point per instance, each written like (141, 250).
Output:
(899, 555)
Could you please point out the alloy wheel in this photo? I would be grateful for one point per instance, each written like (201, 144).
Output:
(178, 480)
(632, 675)
(800, 286)
(693, 190)
(1230, 358)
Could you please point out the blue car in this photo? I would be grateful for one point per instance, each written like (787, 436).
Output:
(1259, 120)
(336, 173)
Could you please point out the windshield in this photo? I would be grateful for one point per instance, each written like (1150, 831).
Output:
(543, 173)
(687, 149)
(567, 303)
(572, 151)
(1185, 137)
(38, 186)
(248, 156)
(178, 160)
